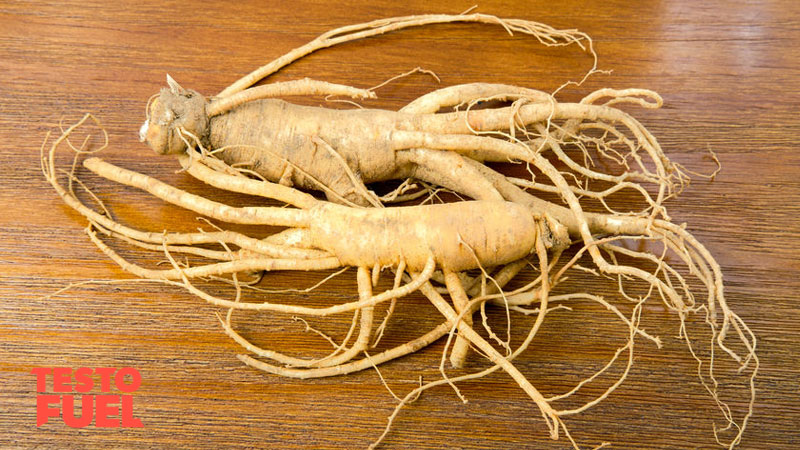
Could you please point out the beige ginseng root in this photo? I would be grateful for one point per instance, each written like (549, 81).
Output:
(319, 240)
(338, 152)
(253, 131)
(250, 129)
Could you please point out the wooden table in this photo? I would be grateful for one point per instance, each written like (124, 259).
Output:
(729, 73)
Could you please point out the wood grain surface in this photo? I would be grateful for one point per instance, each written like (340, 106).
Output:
(729, 73)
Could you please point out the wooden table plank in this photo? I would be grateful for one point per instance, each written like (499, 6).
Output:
(730, 78)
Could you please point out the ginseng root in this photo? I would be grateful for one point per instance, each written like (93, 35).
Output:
(451, 237)
(583, 154)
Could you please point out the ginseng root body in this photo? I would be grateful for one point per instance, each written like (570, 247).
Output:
(340, 151)
(496, 233)
(313, 148)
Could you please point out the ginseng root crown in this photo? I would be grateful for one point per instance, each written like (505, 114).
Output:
(171, 114)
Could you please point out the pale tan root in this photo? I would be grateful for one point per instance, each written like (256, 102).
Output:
(305, 86)
(252, 215)
(218, 255)
(460, 301)
(457, 132)
(443, 167)
(324, 216)
(358, 189)
(413, 139)
(280, 357)
(220, 268)
(446, 169)
(462, 94)
(294, 237)
(703, 267)
(466, 331)
(354, 366)
(340, 355)
(337, 367)
(544, 33)
(288, 361)
(471, 93)
(636, 96)
(429, 169)
(401, 268)
(501, 278)
(331, 192)
(578, 223)
(265, 306)
(367, 316)
(198, 169)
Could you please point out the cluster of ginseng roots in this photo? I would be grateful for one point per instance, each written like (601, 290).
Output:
(584, 150)
(582, 160)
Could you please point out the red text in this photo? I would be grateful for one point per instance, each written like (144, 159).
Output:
(107, 411)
